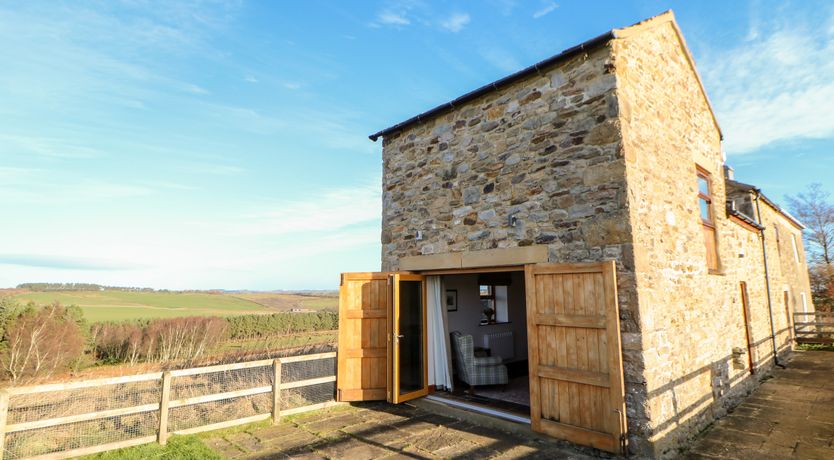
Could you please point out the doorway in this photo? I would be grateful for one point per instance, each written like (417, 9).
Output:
(485, 321)
(395, 343)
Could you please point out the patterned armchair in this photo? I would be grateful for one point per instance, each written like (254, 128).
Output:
(476, 371)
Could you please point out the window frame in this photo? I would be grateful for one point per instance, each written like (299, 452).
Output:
(713, 259)
(704, 174)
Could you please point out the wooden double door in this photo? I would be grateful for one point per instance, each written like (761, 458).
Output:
(382, 337)
(573, 337)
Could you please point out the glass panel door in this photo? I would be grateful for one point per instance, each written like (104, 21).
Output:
(409, 338)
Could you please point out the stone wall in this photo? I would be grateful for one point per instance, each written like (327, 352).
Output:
(691, 320)
(788, 272)
(545, 150)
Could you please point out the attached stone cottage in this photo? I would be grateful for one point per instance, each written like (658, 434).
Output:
(525, 212)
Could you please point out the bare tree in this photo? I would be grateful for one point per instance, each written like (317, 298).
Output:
(815, 209)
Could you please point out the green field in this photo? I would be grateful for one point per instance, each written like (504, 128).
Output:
(115, 305)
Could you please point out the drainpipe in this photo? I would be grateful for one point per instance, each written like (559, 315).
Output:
(767, 281)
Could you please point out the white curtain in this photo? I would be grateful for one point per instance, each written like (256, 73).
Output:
(440, 369)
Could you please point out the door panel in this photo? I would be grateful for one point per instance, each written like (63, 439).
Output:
(410, 368)
(576, 374)
(364, 307)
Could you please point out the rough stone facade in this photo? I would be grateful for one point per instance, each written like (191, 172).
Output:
(691, 320)
(595, 158)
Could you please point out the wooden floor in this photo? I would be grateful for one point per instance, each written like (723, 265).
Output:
(791, 416)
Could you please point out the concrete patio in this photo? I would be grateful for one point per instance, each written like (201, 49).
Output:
(790, 416)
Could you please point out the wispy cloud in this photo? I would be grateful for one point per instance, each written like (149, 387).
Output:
(545, 10)
(500, 58)
(47, 147)
(67, 262)
(392, 18)
(455, 22)
(326, 211)
(771, 89)
(195, 89)
(291, 85)
(215, 169)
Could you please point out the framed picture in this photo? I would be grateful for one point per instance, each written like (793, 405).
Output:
(452, 300)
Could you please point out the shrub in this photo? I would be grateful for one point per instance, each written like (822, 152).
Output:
(259, 326)
(40, 341)
(182, 338)
(158, 340)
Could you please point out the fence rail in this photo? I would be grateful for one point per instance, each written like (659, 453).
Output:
(814, 327)
(54, 421)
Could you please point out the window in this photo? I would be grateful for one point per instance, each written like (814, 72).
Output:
(804, 302)
(795, 249)
(494, 303)
(707, 218)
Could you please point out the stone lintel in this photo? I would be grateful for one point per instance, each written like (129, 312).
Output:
(475, 259)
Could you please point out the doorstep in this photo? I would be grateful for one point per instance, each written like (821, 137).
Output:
(506, 422)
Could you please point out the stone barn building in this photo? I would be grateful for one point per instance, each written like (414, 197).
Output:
(572, 234)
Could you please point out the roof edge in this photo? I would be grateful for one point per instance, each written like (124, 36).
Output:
(505, 81)
(668, 16)
(768, 201)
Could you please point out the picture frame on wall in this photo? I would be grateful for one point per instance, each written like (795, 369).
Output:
(451, 300)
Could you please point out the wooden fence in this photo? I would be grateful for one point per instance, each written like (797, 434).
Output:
(268, 381)
(814, 327)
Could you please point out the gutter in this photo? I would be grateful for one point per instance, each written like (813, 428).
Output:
(767, 279)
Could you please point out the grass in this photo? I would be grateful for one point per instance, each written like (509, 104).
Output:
(177, 448)
(115, 305)
(815, 347)
(285, 302)
(189, 447)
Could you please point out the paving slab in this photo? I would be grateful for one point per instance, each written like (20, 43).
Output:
(374, 431)
(791, 416)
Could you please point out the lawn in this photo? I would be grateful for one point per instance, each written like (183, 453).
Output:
(115, 305)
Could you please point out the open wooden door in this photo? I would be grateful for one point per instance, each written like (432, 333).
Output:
(364, 307)
(576, 371)
(409, 352)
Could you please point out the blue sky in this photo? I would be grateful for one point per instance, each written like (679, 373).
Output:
(224, 144)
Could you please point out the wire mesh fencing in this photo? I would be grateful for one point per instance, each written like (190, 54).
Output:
(78, 418)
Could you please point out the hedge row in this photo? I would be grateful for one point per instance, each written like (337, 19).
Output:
(257, 326)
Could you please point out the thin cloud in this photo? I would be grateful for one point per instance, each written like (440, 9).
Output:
(500, 58)
(391, 18)
(455, 22)
(48, 147)
(327, 211)
(290, 85)
(547, 9)
(215, 169)
(66, 262)
(772, 88)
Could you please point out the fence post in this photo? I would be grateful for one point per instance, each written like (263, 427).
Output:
(276, 391)
(163, 408)
(4, 414)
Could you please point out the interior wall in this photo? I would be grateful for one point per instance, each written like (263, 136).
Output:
(468, 315)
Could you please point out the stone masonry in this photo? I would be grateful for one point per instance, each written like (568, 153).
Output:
(594, 157)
